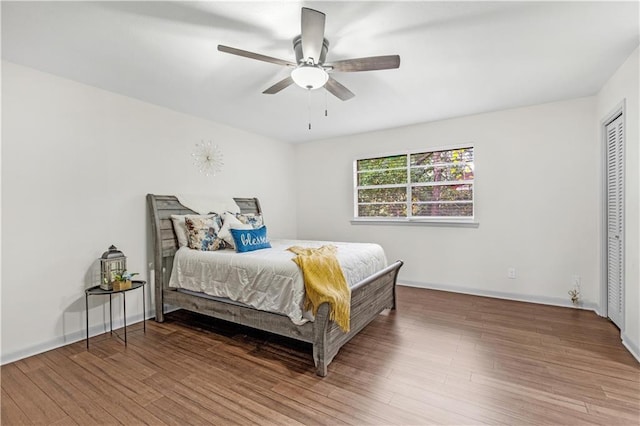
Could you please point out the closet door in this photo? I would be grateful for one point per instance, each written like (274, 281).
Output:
(615, 223)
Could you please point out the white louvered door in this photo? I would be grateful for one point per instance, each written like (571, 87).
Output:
(615, 223)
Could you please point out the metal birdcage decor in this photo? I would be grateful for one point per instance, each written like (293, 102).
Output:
(112, 262)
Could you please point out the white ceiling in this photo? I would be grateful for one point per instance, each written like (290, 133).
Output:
(457, 58)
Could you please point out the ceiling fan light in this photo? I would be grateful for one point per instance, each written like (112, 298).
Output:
(309, 77)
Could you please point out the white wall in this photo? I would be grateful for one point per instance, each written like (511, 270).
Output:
(623, 85)
(77, 163)
(536, 195)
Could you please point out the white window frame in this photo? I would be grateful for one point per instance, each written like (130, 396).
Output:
(466, 221)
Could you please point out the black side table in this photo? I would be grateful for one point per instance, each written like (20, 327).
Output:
(96, 290)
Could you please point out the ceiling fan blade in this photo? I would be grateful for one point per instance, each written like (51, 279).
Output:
(338, 90)
(251, 55)
(282, 84)
(312, 34)
(370, 63)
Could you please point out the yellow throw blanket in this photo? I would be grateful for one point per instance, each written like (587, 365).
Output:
(324, 282)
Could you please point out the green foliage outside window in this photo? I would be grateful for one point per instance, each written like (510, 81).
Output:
(383, 210)
(439, 184)
(383, 177)
(378, 195)
(393, 162)
(442, 193)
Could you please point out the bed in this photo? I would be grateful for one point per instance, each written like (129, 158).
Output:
(369, 296)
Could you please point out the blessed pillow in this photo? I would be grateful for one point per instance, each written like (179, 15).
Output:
(202, 232)
(250, 239)
(252, 219)
(230, 221)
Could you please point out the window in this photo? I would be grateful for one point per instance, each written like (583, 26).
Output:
(416, 185)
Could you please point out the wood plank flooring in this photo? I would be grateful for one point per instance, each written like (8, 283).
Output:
(440, 358)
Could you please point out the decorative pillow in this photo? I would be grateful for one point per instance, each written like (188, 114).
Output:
(254, 220)
(230, 221)
(250, 239)
(202, 232)
(180, 228)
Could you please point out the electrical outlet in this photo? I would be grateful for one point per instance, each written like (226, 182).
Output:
(511, 273)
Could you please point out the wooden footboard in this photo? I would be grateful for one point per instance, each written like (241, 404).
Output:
(368, 298)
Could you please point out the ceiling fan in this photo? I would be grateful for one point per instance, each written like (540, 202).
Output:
(310, 71)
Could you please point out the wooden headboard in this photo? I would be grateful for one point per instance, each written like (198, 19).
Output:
(162, 207)
(165, 242)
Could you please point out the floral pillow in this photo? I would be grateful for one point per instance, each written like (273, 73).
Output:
(202, 232)
(180, 228)
(255, 220)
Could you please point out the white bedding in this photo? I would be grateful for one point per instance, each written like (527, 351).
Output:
(267, 279)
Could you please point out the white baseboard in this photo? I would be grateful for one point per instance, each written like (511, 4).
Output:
(70, 338)
(543, 300)
(631, 347)
(76, 336)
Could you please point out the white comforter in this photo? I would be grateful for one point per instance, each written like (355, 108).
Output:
(267, 279)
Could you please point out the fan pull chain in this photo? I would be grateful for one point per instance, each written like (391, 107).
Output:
(325, 104)
(309, 107)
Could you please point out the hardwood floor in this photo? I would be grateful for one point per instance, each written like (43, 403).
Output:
(440, 358)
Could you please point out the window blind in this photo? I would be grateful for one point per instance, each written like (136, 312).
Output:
(428, 184)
